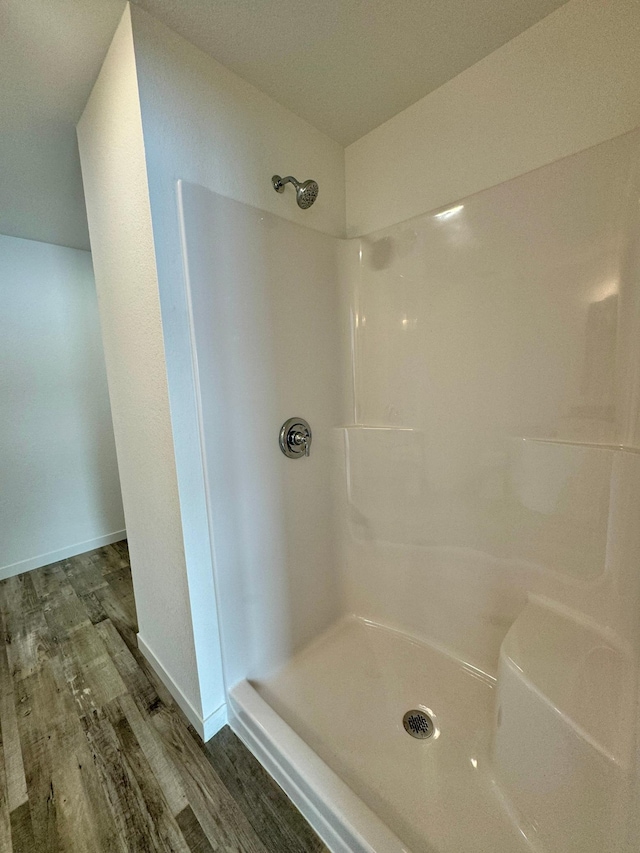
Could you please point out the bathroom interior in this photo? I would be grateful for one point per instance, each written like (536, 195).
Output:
(373, 358)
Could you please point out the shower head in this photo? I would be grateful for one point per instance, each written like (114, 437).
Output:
(306, 193)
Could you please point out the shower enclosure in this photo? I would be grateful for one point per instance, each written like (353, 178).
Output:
(463, 539)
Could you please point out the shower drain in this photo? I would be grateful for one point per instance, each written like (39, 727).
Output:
(418, 724)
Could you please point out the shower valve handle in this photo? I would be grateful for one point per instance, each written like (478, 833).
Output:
(295, 438)
(300, 439)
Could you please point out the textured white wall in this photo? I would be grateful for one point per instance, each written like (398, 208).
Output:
(115, 182)
(565, 84)
(60, 491)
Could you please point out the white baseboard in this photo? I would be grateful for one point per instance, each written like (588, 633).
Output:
(206, 727)
(212, 724)
(61, 554)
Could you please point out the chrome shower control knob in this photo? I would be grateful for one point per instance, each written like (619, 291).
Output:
(295, 438)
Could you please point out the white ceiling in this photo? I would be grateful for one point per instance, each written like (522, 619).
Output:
(348, 65)
(344, 65)
(51, 53)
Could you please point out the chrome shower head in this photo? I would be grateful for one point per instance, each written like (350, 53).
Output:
(306, 193)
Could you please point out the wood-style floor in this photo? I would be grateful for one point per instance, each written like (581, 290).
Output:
(94, 755)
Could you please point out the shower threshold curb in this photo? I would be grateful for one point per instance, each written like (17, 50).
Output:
(343, 822)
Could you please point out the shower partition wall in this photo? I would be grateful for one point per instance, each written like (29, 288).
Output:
(464, 538)
(264, 302)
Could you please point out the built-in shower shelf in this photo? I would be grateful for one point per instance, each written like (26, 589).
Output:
(564, 726)
(377, 427)
(596, 445)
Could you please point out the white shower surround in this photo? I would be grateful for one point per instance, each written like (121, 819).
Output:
(470, 388)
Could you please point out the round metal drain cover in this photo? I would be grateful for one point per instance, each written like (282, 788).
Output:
(418, 724)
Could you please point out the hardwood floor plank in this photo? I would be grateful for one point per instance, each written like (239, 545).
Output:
(193, 833)
(126, 626)
(122, 549)
(138, 685)
(67, 804)
(50, 583)
(82, 679)
(59, 764)
(22, 839)
(222, 820)
(110, 558)
(84, 574)
(5, 820)
(95, 610)
(62, 608)
(123, 637)
(136, 829)
(95, 757)
(123, 620)
(16, 783)
(169, 835)
(18, 596)
(29, 646)
(25, 630)
(84, 819)
(272, 815)
(42, 721)
(120, 582)
(90, 672)
(163, 768)
(83, 822)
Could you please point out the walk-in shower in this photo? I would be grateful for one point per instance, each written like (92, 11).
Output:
(431, 624)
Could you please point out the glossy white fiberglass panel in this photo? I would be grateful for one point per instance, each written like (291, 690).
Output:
(264, 300)
(496, 369)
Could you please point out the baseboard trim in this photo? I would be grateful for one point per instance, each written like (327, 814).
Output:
(206, 727)
(212, 724)
(61, 554)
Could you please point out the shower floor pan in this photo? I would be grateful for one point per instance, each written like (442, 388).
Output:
(329, 727)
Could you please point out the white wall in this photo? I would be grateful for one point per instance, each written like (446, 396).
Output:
(569, 82)
(203, 124)
(60, 491)
(115, 182)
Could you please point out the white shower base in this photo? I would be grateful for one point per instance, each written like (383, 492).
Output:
(344, 697)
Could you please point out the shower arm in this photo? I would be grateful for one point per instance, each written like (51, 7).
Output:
(279, 184)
